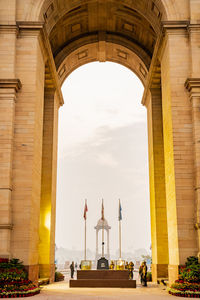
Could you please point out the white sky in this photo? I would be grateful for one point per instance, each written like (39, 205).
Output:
(103, 154)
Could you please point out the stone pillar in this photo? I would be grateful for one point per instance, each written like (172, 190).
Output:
(27, 157)
(178, 146)
(48, 187)
(193, 86)
(9, 86)
(159, 234)
(8, 91)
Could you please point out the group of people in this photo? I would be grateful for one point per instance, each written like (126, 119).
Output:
(143, 273)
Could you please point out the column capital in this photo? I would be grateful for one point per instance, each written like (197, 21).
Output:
(10, 84)
(193, 28)
(175, 27)
(193, 85)
(30, 28)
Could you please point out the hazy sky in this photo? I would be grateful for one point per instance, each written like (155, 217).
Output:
(103, 154)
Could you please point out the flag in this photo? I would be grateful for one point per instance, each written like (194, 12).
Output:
(102, 211)
(120, 212)
(85, 210)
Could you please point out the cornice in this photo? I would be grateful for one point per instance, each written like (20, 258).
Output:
(192, 83)
(194, 27)
(22, 26)
(174, 27)
(30, 25)
(6, 226)
(10, 84)
(30, 28)
(175, 24)
(9, 28)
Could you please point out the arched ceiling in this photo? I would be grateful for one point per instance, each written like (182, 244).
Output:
(104, 51)
(131, 24)
(33, 10)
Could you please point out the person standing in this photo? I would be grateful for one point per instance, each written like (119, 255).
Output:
(141, 272)
(131, 268)
(72, 270)
(144, 271)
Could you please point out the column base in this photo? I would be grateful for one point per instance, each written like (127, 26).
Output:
(47, 271)
(173, 271)
(33, 272)
(159, 271)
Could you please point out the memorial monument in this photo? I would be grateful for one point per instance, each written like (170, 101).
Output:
(102, 225)
(103, 276)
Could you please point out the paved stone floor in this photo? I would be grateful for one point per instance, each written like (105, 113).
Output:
(60, 291)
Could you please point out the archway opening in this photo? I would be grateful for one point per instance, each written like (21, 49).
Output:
(82, 34)
(102, 154)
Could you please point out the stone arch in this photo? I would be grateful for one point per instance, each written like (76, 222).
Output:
(170, 9)
(87, 31)
(133, 33)
(109, 52)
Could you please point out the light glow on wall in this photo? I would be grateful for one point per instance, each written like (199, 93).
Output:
(48, 220)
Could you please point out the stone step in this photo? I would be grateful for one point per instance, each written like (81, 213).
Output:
(102, 283)
(103, 274)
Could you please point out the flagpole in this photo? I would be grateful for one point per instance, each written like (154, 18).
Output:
(120, 240)
(85, 239)
(102, 229)
(103, 240)
(120, 232)
(85, 217)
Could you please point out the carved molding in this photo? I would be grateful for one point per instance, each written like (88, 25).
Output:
(30, 25)
(175, 27)
(6, 226)
(30, 28)
(10, 84)
(9, 29)
(193, 85)
(194, 28)
(175, 24)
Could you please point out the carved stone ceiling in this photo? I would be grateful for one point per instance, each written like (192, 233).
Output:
(85, 22)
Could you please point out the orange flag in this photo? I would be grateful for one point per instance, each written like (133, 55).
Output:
(85, 210)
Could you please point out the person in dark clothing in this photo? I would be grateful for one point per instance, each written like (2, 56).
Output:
(131, 268)
(144, 275)
(141, 273)
(72, 270)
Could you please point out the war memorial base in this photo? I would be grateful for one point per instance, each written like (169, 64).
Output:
(102, 279)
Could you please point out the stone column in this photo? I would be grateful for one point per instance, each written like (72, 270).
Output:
(8, 94)
(48, 186)
(159, 234)
(178, 146)
(9, 86)
(27, 157)
(193, 86)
